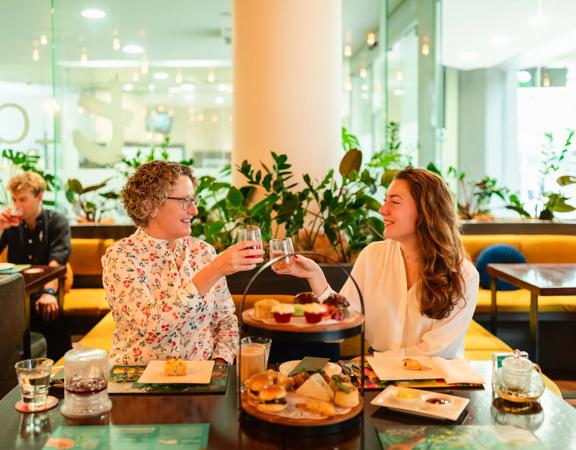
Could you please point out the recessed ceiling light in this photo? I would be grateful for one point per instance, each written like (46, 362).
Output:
(161, 76)
(219, 100)
(133, 49)
(523, 76)
(151, 87)
(128, 87)
(93, 14)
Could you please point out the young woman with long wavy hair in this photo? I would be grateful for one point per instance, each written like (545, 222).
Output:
(419, 290)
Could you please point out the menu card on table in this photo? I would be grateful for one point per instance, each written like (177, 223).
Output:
(176, 437)
(124, 380)
(464, 437)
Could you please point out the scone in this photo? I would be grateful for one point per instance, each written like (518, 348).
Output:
(175, 368)
(413, 364)
(263, 308)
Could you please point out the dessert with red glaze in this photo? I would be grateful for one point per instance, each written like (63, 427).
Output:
(303, 298)
(313, 312)
(337, 306)
(282, 312)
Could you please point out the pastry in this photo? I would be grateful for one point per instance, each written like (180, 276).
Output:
(413, 364)
(174, 368)
(303, 298)
(282, 312)
(263, 308)
(321, 407)
(313, 312)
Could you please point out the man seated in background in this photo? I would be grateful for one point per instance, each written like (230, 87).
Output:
(37, 236)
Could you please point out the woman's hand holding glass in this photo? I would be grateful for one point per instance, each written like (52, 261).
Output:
(279, 247)
(303, 267)
(239, 257)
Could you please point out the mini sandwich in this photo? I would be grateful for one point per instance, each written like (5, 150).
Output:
(345, 393)
(316, 387)
(256, 383)
(272, 399)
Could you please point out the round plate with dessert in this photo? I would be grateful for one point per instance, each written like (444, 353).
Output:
(313, 399)
(305, 314)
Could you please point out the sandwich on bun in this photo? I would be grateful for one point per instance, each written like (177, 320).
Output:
(272, 399)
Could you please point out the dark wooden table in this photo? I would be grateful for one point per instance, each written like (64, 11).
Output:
(539, 279)
(552, 420)
(34, 278)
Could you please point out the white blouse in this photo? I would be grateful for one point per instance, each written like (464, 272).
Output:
(394, 324)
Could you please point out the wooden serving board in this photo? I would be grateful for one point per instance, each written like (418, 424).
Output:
(280, 420)
(352, 321)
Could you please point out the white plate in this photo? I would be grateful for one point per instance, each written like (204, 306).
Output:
(330, 368)
(197, 372)
(391, 368)
(387, 398)
(6, 266)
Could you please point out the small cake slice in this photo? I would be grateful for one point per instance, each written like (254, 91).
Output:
(175, 368)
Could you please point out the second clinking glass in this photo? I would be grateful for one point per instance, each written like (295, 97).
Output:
(279, 247)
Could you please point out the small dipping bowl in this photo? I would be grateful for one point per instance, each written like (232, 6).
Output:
(406, 396)
(435, 402)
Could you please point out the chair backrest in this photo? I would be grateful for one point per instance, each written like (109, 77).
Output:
(13, 325)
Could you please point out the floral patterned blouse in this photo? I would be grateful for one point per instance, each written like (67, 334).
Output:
(158, 312)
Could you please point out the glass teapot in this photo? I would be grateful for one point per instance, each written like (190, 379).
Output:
(85, 382)
(519, 379)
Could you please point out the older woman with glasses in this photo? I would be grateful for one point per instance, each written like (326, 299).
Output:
(167, 290)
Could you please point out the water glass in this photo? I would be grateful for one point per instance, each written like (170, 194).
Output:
(254, 354)
(34, 380)
(279, 247)
(250, 233)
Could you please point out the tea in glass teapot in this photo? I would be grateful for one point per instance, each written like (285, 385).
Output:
(519, 379)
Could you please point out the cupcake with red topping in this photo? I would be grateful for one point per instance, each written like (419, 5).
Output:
(313, 312)
(282, 312)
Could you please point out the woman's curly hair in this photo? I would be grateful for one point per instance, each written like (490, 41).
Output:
(442, 284)
(148, 188)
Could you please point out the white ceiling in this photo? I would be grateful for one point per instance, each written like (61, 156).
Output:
(186, 36)
(484, 33)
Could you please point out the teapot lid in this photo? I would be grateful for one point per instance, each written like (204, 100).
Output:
(518, 360)
(80, 353)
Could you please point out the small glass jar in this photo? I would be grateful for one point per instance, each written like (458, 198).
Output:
(85, 382)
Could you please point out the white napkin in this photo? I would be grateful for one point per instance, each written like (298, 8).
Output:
(458, 371)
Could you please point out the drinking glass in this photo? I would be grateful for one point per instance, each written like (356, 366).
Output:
(279, 247)
(34, 380)
(254, 353)
(251, 233)
(16, 213)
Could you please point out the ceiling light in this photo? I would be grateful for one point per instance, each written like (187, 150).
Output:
(219, 100)
(43, 39)
(133, 49)
(222, 87)
(363, 72)
(347, 50)
(135, 76)
(211, 76)
(174, 90)
(189, 98)
(161, 76)
(523, 76)
(151, 87)
(128, 87)
(179, 78)
(93, 14)
(35, 54)
(398, 92)
(187, 87)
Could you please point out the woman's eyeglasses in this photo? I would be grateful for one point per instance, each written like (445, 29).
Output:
(187, 201)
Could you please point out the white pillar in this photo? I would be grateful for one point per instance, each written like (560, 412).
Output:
(287, 83)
